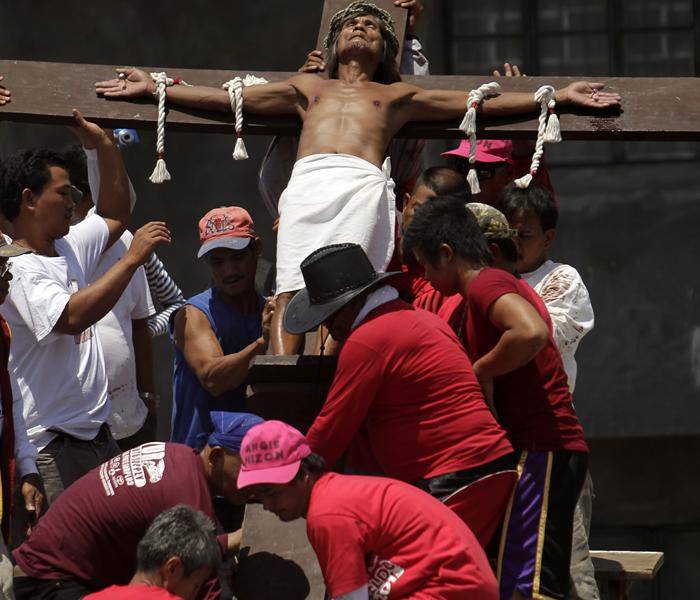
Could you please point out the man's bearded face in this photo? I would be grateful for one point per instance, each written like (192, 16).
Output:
(361, 32)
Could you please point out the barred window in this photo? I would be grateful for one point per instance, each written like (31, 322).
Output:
(591, 38)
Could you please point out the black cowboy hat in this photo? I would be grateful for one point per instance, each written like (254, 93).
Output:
(334, 275)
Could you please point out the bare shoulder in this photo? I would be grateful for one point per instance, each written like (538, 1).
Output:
(190, 316)
(402, 91)
(305, 81)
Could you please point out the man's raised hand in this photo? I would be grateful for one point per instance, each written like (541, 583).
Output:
(89, 134)
(129, 83)
(509, 71)
(268, 313)
(145, 240)
(5, 95)
(588, 95)
(314, 63)
(415, 10)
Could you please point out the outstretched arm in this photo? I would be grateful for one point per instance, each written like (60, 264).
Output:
(268, 99)
(440, 105)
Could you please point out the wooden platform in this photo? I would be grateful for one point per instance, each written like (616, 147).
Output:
(45, 92)
(617, 570)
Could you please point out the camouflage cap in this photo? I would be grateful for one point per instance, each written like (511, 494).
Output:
(355, 9)
(492, 222)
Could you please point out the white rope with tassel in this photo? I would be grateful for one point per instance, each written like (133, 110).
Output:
(160, 173)
(234, 87)
(545, 132)
(468, 126)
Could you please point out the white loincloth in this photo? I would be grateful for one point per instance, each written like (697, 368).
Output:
(334, 199)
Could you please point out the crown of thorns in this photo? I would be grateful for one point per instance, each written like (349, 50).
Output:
(355, 9)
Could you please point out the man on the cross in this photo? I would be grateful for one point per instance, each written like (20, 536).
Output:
(338, 191)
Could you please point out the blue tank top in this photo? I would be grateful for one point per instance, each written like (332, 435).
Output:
(191, 402)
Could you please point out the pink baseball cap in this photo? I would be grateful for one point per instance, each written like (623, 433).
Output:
(271, 453)
(487, 151)
(225, 227)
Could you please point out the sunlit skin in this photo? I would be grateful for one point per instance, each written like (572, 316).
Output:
(449, 274)
(52, 207)
(420, 195)
(233, 273)
(532, 240)
(350, 114)
(289, 501)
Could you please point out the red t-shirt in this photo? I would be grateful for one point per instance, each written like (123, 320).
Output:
(132, 592)
(91, 531)
(533, 402)
(404, 388)
(412, 285)
(396, 539)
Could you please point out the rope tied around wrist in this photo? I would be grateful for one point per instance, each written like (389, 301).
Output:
(234, 87)
(162, 81)
(468, 126)
(548, 131)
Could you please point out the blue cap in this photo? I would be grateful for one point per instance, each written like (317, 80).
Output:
(228, 429)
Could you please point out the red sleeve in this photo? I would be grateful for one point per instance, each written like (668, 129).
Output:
(488, 287)
(339, 544)
(357, 378)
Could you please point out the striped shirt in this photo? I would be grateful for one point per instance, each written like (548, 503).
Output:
(165, 291)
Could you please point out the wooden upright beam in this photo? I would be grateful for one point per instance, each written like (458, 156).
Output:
(653, 108)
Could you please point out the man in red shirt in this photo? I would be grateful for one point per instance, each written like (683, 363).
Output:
(411, 284)
(175, 558)
(375, 538)
(88, 539)
(404, 401)
(507, 335)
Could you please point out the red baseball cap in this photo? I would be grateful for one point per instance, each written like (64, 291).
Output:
(271, 453)
(225, 227)
(487, 151)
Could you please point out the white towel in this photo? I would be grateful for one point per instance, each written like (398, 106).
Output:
(334, 199)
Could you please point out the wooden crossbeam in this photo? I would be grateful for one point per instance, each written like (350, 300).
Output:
(43, 92)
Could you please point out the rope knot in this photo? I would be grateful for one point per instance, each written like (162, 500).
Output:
(468, 126)
(234, 87)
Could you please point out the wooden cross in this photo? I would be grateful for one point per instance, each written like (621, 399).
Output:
(654, 108)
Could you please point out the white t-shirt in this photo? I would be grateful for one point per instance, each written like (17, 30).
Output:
(61, 378)
(564, 294)
(128, 412)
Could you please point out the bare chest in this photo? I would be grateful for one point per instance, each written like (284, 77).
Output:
(334, 99)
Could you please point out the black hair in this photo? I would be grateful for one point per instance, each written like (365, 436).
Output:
(387, 71)
(313, 464)
(508, 248)
(444, 181)
(26, 169)
(446, 220)
(180, 531)
(77, 167)
(536, 198)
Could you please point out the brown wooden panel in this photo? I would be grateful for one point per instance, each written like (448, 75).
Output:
(277, 560)
(654, 108)
(330, 7)
(628, 566)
